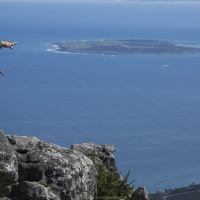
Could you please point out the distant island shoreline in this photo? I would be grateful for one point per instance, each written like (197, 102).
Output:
(124, 47)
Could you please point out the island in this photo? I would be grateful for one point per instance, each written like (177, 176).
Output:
(124, 47)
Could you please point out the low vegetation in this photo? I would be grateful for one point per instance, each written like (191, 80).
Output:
(111, 185)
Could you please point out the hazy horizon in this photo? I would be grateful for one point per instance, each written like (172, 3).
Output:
(102, 1)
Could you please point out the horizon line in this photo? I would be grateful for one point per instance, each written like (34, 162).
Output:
(100, 1)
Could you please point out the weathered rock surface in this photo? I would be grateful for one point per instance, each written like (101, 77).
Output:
(103, 154)
(35, 170)
(140, 194)
(8, 165)
(31, 169)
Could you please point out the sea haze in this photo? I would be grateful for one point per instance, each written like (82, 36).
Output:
(148, 106)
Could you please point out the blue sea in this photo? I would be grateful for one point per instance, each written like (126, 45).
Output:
(147, 106)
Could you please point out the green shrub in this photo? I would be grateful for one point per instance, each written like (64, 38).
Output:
(110, 185)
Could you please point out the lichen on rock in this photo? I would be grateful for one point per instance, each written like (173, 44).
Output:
(8, 165)
(31, 169)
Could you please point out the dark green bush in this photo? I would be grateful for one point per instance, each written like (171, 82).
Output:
(110, 185)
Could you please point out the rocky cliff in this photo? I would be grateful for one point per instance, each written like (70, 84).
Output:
(31, 169)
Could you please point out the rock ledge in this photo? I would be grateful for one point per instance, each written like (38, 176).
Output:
(31, 169)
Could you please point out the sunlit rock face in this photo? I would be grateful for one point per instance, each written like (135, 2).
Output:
(8, 165)
(44, 171)
(103, 154)
(31, 169)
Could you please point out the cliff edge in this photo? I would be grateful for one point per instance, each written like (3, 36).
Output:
(31, 169)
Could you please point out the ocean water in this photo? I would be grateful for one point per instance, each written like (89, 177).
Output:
(147, 106)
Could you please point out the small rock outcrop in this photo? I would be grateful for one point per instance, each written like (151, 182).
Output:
(31, 169)
(103, 154)
(140, 194)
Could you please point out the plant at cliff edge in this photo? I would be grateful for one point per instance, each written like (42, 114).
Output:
(110, 185)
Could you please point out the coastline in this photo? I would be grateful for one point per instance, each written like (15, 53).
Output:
(123, 47)
(191, 192)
